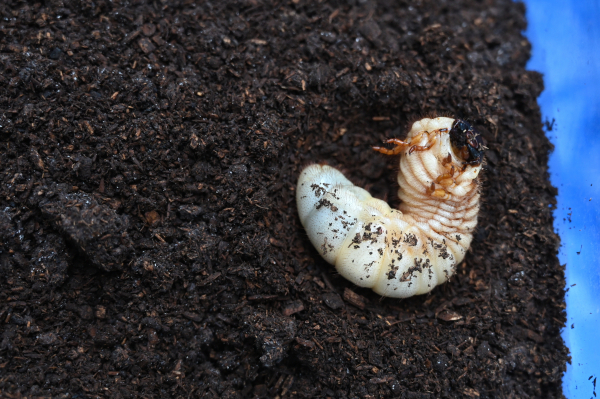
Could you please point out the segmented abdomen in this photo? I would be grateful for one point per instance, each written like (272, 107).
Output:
(370, 243)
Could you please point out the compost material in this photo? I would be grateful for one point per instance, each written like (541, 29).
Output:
(149, 238)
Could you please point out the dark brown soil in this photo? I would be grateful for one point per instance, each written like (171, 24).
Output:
(150, 245)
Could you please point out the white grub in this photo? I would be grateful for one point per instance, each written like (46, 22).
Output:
(404, 252)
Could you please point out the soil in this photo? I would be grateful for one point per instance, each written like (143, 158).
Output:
(150, 243)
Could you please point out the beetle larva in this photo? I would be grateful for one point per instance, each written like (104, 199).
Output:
(404, 252)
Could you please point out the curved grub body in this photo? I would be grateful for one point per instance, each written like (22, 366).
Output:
(405, 252)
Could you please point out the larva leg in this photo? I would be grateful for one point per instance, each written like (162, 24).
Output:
(419, 148)
(447, 162)
(436, 192)
(446, 179)
(400, 146)
(439, 193)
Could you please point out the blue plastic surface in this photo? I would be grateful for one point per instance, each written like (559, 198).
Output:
(565, 35)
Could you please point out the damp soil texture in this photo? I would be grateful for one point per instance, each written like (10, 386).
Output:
(150, 243)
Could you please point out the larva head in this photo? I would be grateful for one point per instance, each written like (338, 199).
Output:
(467, 142)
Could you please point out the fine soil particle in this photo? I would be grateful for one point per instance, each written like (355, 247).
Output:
(150, 243)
